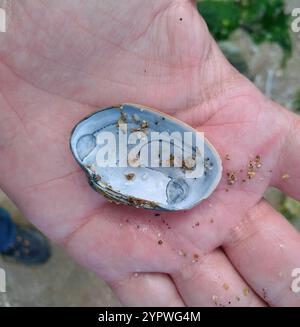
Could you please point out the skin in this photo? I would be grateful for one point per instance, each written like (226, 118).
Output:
(61, 60)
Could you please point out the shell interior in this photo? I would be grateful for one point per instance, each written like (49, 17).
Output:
(161, 188)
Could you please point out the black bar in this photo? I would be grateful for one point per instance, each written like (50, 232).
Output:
(147, 316)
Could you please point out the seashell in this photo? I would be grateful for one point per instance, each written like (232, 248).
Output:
(141, 157)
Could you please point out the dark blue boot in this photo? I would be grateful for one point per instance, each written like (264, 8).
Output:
(23, 244)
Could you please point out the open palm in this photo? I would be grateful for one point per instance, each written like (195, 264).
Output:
(61, 60)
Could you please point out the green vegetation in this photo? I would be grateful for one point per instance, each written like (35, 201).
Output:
(290, 208)
(296, 102)
(264, 20)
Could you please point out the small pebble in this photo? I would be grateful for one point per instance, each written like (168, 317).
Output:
(130, 176)
(285, 176)
(231, 177)
(258, 161)
(144, 124)
(195, 258)
(246, 291)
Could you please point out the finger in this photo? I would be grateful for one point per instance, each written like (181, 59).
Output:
(264, 248)
(286, 175)
(147, 289)
(214, 282)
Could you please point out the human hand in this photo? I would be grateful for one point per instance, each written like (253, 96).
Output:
(61, 60)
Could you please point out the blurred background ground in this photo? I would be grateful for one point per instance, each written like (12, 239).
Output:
(62, 282)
